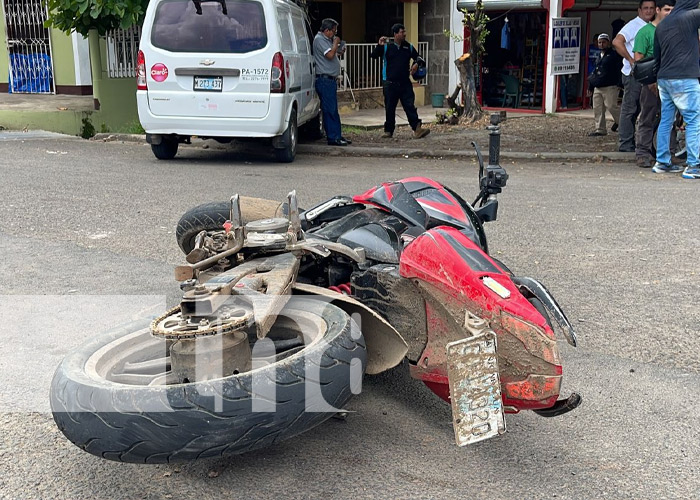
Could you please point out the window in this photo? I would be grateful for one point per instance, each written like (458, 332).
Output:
(235, 26)
(300, 32)
(283, 22)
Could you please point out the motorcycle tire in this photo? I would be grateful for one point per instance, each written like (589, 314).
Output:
(211, 217)
(100, 411)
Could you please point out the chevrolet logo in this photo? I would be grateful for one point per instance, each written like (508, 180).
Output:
(207, 62)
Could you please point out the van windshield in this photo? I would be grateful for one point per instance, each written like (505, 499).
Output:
(236, 26)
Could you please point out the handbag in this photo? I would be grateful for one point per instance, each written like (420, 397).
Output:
(645, 70)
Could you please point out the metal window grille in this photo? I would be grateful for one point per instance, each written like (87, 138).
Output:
(362, 71)
(122, 50)
(29, 47)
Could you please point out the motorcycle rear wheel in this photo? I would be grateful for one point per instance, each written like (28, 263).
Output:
(211, 217)
(111, 398)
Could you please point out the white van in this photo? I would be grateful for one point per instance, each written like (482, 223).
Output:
(226, 69)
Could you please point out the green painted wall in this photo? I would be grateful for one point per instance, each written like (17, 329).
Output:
(4, 58)
(62, 54)
(118, 105)
(117, 98)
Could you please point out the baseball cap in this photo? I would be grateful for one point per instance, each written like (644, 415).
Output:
(603, 36)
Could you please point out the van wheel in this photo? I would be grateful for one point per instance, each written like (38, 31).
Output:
(313, 130)
(290, 139)
(167, 149)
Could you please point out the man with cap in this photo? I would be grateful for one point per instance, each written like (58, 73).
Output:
(602, 85)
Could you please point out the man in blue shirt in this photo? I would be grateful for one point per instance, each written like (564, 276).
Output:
(397, 58)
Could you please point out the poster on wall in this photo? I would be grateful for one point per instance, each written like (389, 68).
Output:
(566, 45)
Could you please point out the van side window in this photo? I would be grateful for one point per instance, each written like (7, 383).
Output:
(285, 33)
(178, 28)
(309, 34)
(300, 33)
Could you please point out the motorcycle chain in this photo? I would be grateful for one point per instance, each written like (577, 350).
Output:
(185, 329)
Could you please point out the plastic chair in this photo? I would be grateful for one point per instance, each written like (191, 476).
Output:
(512, 89)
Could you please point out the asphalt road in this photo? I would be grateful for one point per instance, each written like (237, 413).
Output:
(93, 223)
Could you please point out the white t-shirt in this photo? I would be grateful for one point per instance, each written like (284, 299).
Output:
(629, 31)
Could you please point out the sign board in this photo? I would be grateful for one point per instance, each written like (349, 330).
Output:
(566, 45)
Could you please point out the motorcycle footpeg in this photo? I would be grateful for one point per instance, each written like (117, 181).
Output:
(562, 406)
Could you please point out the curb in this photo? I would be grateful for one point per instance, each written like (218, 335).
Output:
(388, 152)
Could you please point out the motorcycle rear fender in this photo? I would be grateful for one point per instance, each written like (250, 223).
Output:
(450, 270)
(385, 346)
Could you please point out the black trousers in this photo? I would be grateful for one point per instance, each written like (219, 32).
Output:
(393, 93)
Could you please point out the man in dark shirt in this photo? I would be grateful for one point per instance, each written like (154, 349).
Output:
(676, 49)
(602, 85)
(397, 56)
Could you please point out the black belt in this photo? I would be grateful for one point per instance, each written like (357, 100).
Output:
(330, 77)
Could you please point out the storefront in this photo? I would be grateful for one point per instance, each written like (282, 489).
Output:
(539, 52)
(511, 72)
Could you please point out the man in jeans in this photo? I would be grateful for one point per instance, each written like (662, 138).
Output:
(327, 47)
(676, 48)
(602, 85)
(649, 103)
(624, 43)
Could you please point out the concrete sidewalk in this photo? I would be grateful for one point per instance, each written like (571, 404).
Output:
(374, 118)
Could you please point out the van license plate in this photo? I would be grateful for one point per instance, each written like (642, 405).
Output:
(210, 83)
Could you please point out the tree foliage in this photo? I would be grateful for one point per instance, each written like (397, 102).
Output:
(101, 15)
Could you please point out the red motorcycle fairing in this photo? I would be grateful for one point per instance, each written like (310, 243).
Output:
(432, 196)
(450, 269)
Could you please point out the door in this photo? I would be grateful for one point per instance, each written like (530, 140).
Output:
(210, 65)
(28, 46)
(305, 69)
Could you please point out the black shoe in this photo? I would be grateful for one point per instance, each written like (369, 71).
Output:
(596, 134)
(338, 142)
(346, 140)
(614, 127)
(627, 150)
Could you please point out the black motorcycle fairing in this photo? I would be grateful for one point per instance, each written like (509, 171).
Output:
(334, 229)
(381, 243)
(397, 300)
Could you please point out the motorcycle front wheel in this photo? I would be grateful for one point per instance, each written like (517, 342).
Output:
(115, 397)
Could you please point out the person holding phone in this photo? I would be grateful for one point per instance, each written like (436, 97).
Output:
(327, 47)
(399, 62)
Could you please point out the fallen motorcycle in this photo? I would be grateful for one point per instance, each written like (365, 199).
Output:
(284, 311)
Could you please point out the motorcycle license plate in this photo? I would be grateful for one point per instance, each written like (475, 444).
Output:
(208, 83)
(475, 389)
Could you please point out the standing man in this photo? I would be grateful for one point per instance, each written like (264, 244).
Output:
(649, 103)
(397, 56)
(327, 47)
(676, 48)
(624, 43)
(602, 84)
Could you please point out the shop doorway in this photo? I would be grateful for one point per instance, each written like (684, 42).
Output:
(512, 71)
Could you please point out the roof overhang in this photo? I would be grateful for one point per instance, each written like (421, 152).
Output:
(501, 4)
(543, 4)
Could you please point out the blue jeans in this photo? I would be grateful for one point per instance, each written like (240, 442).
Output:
(327, 90)
(683, 95)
